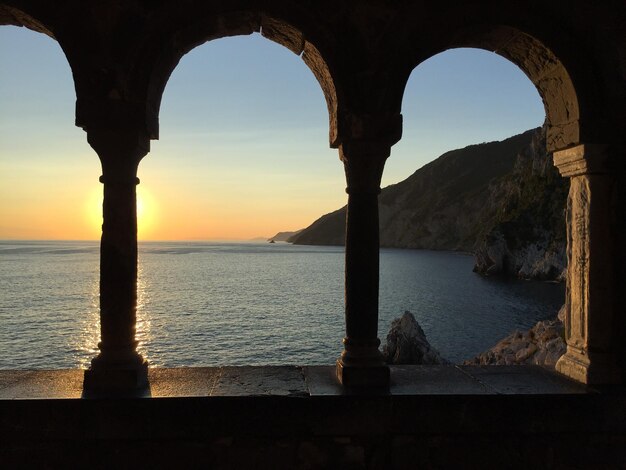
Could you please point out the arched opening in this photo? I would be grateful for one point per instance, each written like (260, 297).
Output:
(159, 63)
(492, 191)
(48, 195)
(243, 155)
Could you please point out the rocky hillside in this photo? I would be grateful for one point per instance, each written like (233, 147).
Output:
(502, 200)
(527, 237)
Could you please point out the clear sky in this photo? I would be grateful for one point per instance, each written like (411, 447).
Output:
(243, 149)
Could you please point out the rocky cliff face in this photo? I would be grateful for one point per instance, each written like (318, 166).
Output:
(527, 236)
(502, 200)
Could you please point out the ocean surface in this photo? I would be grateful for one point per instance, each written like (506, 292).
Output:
(206, 304)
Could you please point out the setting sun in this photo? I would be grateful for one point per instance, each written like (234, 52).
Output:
(146, 213)
(93, 212)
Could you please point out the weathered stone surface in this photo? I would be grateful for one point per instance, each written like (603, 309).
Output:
(260, 381)
(589, 313)
(407, 343)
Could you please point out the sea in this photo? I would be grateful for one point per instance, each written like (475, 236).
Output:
(227, 303)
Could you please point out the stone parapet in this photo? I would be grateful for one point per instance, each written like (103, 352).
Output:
(293, 417)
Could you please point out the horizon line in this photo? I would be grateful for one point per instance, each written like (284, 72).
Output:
(223, 239)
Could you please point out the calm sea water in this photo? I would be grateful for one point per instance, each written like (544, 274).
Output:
(248, 303)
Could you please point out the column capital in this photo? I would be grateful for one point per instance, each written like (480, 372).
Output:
(109, 142)
(582, 159)
(120, 151)
(364, 162)
(371, 127)
(111, 113)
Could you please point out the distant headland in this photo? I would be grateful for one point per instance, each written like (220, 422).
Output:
(503, 201)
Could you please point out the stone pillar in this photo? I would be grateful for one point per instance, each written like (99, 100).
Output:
(119, 365)
(589, 323)
(361, 364)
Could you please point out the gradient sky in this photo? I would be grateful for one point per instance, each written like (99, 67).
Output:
(243, 149)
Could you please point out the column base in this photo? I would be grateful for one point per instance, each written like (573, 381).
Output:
(107, 375)
(361, 365)
(363, 376)
(595, 369)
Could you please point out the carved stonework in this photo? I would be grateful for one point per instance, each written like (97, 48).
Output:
(589, 312)
(578, 252)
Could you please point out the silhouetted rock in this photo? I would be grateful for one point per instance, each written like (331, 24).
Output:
(407, 343)
(330, 229)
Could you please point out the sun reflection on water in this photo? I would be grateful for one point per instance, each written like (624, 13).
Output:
(87, 347)
(144, 327)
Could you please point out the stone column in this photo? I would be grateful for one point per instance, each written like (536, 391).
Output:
(589, 322)
(361, 364)
(119, 365)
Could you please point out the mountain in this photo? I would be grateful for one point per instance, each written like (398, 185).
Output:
(496, 199)
(284, 236)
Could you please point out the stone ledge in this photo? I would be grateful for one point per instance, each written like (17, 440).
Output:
(297, 381)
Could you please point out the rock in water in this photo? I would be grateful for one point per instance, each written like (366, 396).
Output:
(542, 345)
(407, 343)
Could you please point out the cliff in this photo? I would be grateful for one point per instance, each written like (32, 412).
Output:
(527, 237)
(502, 200)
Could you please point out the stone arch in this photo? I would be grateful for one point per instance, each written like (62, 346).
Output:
(540, 64)
(161, 61)
(545, 71)
(580, 144)
(12, 16)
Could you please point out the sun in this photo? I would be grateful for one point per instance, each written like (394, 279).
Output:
(93, 212)
(140, 208)
(146, 213)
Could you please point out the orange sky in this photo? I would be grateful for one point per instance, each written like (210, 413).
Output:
(56, 210)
